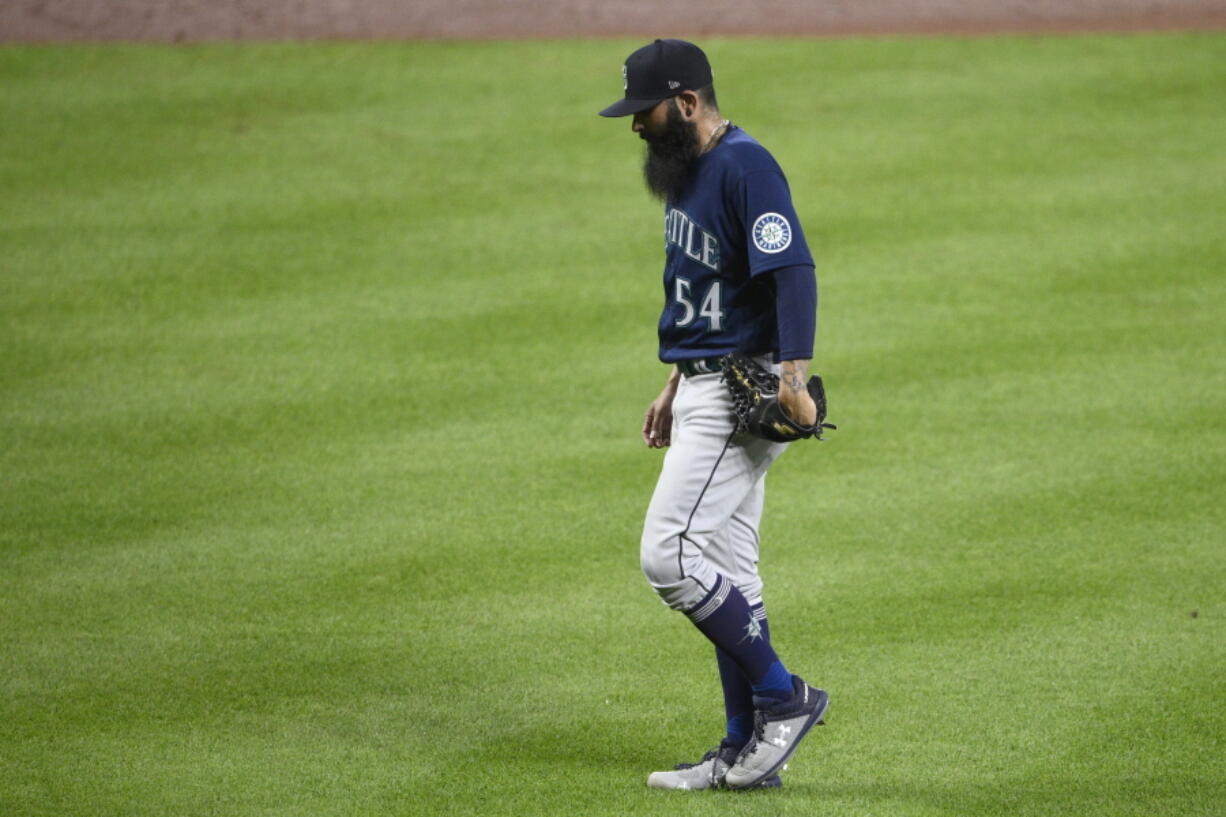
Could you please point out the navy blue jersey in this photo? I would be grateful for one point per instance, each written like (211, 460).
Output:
(733, 224)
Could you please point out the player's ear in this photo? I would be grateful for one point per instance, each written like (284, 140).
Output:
(687, 103)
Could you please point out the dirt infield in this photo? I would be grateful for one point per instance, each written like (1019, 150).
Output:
(201, 20)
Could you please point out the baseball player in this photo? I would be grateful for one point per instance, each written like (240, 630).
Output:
(738, 277)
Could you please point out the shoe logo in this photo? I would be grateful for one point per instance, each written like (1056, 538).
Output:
(781, 737)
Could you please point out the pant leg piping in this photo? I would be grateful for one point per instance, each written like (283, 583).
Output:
(681, 537)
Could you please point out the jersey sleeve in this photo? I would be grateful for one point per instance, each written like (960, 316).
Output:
(773, 235)
(796, 311)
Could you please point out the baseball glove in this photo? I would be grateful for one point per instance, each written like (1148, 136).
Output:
(755, 401)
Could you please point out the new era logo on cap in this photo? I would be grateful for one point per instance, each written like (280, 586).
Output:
(658, 71)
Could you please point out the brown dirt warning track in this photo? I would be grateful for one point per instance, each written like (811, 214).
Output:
(205, 20)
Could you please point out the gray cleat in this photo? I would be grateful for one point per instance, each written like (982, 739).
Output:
(708, 773)
(779, 727)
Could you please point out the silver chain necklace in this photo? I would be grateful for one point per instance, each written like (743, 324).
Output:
(716, 132)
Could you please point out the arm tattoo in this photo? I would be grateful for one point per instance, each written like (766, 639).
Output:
(793, 376)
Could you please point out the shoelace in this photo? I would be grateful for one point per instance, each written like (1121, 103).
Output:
(705, 758)
(713, 777)
(759, 733)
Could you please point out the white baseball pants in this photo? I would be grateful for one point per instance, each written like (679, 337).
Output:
(704, 515)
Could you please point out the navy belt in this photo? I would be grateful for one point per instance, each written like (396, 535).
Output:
(702, 365)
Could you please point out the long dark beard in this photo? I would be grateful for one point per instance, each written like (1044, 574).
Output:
(668, 164)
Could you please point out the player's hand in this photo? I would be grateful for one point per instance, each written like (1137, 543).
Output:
(658, 421)
(794, 396)
(799, 407)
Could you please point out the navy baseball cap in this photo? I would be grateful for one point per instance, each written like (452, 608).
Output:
(658, 71)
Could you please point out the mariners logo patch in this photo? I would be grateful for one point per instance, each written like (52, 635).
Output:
(772, 233)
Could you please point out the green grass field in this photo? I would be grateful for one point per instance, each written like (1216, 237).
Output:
(321, 372)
